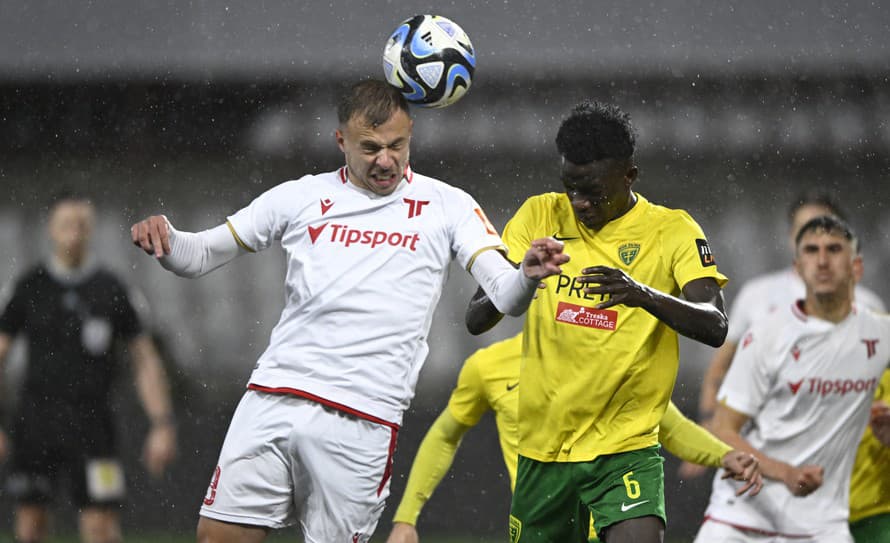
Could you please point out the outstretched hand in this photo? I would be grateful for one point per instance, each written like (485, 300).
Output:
(743, 466)
(152, 235)
(620, 287)
(544, 259)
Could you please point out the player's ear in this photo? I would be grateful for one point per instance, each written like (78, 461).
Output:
(338, 135)
(631, 175)
(858, 268)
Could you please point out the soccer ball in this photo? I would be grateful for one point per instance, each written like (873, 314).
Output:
(430, 59)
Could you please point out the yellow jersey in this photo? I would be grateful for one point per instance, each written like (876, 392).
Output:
(489, 381)
(598, 381)
(870, 483)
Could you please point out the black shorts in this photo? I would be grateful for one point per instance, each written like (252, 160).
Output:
(52, 453)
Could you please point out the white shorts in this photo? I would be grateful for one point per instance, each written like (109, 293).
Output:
(713, 530)
(287, 459)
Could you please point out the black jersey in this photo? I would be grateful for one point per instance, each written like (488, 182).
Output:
(71, 327)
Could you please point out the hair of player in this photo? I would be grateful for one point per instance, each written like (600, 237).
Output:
(373, 100)
(67, 195)
(596, 131)
(830, 224)
(815, 197)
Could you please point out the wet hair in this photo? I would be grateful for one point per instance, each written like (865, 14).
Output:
(374, 100)
(830, 224)
(595, 131)
(815, 197)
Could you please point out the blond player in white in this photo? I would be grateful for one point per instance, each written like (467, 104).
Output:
(798, 396)
(368, 249)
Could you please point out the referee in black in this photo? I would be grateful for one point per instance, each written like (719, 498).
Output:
(72, 313)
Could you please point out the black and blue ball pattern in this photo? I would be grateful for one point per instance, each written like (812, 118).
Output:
(431, 60)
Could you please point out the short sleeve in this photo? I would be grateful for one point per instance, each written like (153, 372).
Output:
(472, 231)
(689, 253)
(519, 231)
(468, 402)
(264, 220)
(748, 380)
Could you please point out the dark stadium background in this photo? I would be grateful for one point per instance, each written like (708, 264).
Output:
(193, 108)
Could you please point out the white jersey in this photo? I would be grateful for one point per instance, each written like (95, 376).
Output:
(771, 291)
(364, 274)
(807, 385)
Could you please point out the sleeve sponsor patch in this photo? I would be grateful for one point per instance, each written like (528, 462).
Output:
(704, 253)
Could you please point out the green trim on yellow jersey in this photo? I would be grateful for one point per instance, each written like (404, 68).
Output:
(870, 484)
(598, 381)
(238, 239)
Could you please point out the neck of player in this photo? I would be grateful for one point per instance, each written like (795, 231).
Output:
(832, 307)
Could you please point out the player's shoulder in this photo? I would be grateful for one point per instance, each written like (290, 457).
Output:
(868, 298)
(872, 315)
(663, 216)
(769, 327)
(310, 182)
(779, 280)
(496, 362)
(433, 187)
(542, 207)
(106, 278)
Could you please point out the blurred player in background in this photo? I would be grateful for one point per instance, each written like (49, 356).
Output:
(804, 377)
(870, 483)
(489, 381)
(72, 312)
(766, 293)
(870, 494)
(369, 246)
(601, 352)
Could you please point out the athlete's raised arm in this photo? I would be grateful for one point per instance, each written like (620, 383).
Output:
(509, 290)
(186, 254)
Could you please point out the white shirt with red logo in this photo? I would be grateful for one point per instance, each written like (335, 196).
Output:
(364, 275)
(807, 385)
(770, 291)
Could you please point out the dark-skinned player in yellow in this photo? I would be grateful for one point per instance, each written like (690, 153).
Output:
(600, 351)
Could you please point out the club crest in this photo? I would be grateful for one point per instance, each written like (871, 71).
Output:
(628, 252)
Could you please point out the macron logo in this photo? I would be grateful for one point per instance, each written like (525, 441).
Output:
(326, 205)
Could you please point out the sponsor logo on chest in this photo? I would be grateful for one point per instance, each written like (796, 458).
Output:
(348, 236)
(838, 387)
(590, 317)
(833, 385)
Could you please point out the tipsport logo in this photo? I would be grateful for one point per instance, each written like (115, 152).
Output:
(825, 387)
(346, 236)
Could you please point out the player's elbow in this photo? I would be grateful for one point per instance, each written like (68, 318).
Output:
(476, 327)
(716, 334)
